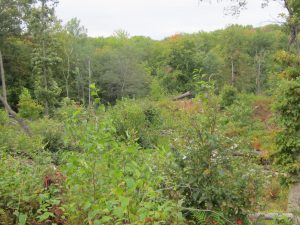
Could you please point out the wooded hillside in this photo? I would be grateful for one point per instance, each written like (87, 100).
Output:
(199, 128)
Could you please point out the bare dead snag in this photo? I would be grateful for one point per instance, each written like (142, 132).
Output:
(185, 95)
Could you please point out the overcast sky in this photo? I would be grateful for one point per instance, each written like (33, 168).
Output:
(160, 18)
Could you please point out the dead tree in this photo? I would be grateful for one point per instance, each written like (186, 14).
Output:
(185, 95)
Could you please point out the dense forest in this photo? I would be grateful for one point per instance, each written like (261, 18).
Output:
(199, 128)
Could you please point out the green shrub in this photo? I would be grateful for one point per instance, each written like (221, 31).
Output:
(21, 181)
(137, 119)
(117, 182)
(283, 220)
(210, 177)
(67, 108)
(241, 111)
(3, 117)
(157, 91)
(51, 132)
(228, 95)
(28, 108)
(288, 138)
(204, 170)
(17, 143)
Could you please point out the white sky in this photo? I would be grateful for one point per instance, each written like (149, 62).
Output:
(160, 18)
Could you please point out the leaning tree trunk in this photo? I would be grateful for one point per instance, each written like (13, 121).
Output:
(14, 115)
(3, 100)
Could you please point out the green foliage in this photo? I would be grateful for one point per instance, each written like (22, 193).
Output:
(282, 220)
(124, 75)
(206, 172)
(116, 181)
(15, 142)
(28, 108)
(207, 218)
(288, 145)
(287, 108)
(50, 205)
(20, 182)
(157, 91)
(3, 118)
(67, 108)
(241, 111)
(47, 95)
(51, 133)
(210, 177)
(137, 121)
(182, 57)
(228, 96)
(137, 161)
(290, 64)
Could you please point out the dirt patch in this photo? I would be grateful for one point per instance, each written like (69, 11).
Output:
(188, 106)
(263, 111)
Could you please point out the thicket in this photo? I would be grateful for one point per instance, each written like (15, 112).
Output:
(107, 145)
(138, 162)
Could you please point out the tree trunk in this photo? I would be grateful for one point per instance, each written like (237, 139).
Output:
(232, 73)
(124, 74)
(90, 75)
(67, 78)
(7, 107)
(44, 66)
(3, 78)
(14, 115)
(80, 87)
(294, 27)
(297, 41)
(185, 95)
(258, 76)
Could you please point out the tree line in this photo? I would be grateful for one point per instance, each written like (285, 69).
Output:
(55, 60)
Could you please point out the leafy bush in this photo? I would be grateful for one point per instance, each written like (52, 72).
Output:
(20, 184)
(3, 118)
(209, 176)
(51, 132)
(288, 138)
(282, 220)
(67, 108)
(17, 143)
(206, 173)
(240, 112)
(117, 182)
(157, 91)
(28, 108)
(228, 95)
(136, 119)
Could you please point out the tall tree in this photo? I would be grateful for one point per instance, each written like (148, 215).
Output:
(123, 75)
(13, 14)
(42, 27)
(236, 58)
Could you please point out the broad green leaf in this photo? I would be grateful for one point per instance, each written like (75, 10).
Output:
(22, 219)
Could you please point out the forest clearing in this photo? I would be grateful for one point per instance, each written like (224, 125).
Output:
(194, 129)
